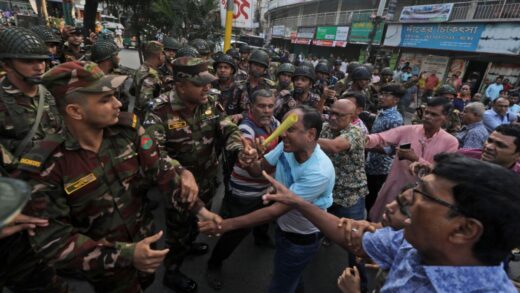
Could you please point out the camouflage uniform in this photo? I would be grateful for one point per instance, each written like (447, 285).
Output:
(241, 76)
(92, 199)
(273, 66)
(147, 83)
(284, 103)
(165, 73)
(195, 142)
(243, 91)
(225, 98)
(453, 124)
(70, 55)
(338, 74)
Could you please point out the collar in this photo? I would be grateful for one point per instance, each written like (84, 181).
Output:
(175, 102)
(466, 278)
(387, 111)
(473, 125)
(71, 143)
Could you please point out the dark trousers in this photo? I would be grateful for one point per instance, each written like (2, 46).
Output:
(234, 206)
(375, 182)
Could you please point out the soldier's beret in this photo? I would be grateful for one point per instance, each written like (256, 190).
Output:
(192, 69)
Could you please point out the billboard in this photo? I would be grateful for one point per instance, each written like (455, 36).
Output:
(331, 36)
(360, 31)
(426, 13)
(278, 31)
(243, 13)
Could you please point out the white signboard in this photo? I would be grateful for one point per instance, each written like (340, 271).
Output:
(278, 31)
(426, 13)
(243, 13)
(342, 33)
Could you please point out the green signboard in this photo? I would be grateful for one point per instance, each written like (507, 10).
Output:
(360, 31)
(326, 33)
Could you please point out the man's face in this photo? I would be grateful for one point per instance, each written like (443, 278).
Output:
(224, 71)
(468, 117)
(162, 58)
(101, 109)
(337, 67)
(170, 54)
(75, 39)
(386, 78)
(27, 67)
(322, 76)
(296, 138)
(501, 106)
(387, 100)
(363, 84)
(433, 117)
(284, 78)
(53, 49)
(192, 93)
(262, 110)
(430, 224)
(500, 149)
(498, 81)
(340, 117)
(512, 100)
(465, 90)
(256, 69)
(392, 216)
(302, 82)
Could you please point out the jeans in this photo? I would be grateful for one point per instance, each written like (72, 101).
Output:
(290, 260)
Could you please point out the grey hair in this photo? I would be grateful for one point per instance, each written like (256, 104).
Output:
(476, 108)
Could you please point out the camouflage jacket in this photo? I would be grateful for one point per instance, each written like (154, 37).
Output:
(240, 76)
(17, 115)
(91, 199)
(69, 55)
(244, 90)
(338, 74)
(166, 76)
(371, 100)
(147, 84)
(226, 98)
(273, 66)
(286, 101)
(194, 141)
(342, 85)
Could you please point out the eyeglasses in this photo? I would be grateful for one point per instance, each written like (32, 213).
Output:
(406, 199)
(340, 115)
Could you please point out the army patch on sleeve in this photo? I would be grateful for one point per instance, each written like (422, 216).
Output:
(146, 142)
(176, 123)
(29, 162)
(80, 183)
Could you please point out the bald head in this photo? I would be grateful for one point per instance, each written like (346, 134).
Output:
(341, 114)
(346, 105)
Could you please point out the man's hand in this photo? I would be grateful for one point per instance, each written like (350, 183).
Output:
(329, 93)
(236, 118)
(23, 222)
(189, 187)
(349, 281)
(281, 193)
(248, 155)
(419, 169)
(407, 154)
(212, 228)
(259, 146)
(353, 233)
(146, 259)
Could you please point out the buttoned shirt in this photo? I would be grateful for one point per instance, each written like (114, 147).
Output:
(472, 136)
(492, 119)
(493, 91)
(391, 251)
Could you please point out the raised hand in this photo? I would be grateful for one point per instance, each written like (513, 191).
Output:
(248, 154)
(281, 193)
(145, 258)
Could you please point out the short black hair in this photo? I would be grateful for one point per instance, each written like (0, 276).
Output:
(490, 194)
(360, 98)
(311, 119)
(260, 93)
(395, 89)
(441, 101)
(510, 130)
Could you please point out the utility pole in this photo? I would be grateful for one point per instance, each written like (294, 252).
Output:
(229, 24)
(376, 22)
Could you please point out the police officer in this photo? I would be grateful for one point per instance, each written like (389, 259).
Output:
(147, 81)
(53, 42)
(226, 67)
(27, 110)
(192, 128)
(284, 74)
(258, 65)
(91, 180)
(303, 79)
(73, 48)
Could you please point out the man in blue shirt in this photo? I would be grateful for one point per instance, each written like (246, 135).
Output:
(493, 90)
(498, 114)
(460, 228)
(301, 165)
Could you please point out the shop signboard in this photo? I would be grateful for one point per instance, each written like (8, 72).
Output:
(243, 13)
(500, 38)
(326, 33)
(331, 36)
(426, 13)
(360, 31)
(304, 36)
(278, 31)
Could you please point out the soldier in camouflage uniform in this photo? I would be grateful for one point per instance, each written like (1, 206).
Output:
(73, 48)
(343, 84)
(386, 77)
(325, 83)
(147, 81)
(258, 66)
(53, 42)
(192, 128)
(337, 70)
(284, 74)
(453, 123)
(23, 55)
(303, 79)
(244, 51)
(226, 67)
(89, 182)
(240, 75)
(361, 78)
(171, 46)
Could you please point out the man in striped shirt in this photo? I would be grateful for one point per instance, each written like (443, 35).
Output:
(246, 191)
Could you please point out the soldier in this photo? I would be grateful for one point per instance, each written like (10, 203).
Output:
(147, 81)
(244, 51)
(53, 42)
(73, 47)
(171, 46)
(343, 84)
(284, 74)
(240, 75)
(226, 68)
(89, 182)
(192, 128)
(202, 47)
(386, 77)
(27, 110)
(258, 65)
(361, 77)
(337, 70)
(453, 123)
(303, 79)
(325, 83)
(274, 62)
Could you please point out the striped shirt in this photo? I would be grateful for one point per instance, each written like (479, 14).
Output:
(241, 183)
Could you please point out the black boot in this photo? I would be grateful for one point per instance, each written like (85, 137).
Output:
(179, 282)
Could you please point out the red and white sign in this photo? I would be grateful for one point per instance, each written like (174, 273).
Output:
(243, 13)
(326, 43)
(301, 41)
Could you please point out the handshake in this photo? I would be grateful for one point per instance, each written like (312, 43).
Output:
(251, 151)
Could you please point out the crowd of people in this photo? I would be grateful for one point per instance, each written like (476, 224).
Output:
(433, 200)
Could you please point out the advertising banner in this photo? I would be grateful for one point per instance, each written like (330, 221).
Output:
(426, 13)
(359, 33)
(331, 36)
(305, 32)
(326, 33)
(243, 13)
(278, 31)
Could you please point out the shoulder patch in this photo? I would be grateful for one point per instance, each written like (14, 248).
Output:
(35, 159)
(128, 119)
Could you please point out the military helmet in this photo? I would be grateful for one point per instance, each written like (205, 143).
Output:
(18, 42)
(201, 46)
(445, 89)
(211, 45)
(244, 49)
(261, 57)
(307, 63)
(338, 62)
(171, 44)
(187, 51)
(285, 67)
(352, 66)
(233, 53)
(224, 58)
(103, 50)
(47, 34)
(304, 70)
(361, 73)
(323, 67)
(387, 71)
(369, 66)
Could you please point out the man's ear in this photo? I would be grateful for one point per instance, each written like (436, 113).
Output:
(467, 230)
(75, 111)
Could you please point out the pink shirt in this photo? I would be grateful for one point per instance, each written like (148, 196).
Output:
(399, 176)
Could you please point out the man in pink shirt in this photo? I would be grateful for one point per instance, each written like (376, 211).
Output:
(415, 143)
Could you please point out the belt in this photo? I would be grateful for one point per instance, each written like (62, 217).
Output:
(301, 239)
